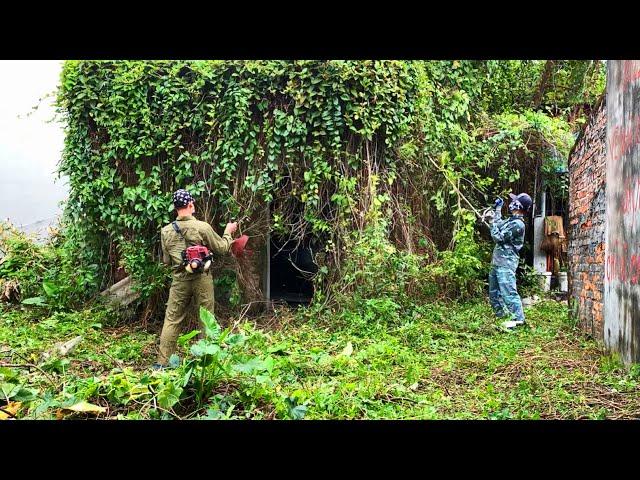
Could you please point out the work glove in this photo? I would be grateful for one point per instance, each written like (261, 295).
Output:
(498, 203)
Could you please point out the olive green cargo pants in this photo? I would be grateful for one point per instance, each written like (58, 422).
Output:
(182, 289)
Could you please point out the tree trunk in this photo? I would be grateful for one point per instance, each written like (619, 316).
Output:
(544, 81)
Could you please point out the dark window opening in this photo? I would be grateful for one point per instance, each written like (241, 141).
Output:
(291, 271)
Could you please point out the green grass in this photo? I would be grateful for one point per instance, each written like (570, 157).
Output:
(451, 362)
(435, 361)
(28, 335)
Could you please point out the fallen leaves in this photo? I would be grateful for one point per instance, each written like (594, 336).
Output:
(348, 350)
(10, 410)
(63, 348)
(86, 407)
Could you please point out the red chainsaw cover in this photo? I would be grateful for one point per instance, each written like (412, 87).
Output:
(237, 246)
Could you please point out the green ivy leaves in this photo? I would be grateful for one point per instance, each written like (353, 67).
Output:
(138, 130)
(240, 134)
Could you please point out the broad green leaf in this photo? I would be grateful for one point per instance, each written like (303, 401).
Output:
(253, 365)
(279, 348)
(169, 395)
(187, 377)
(184, 339)
(38, 301)
(8, 391)
(269, 363)
(56, 365)
(298, 412)
(212, 329)
(174, 361)
(204, 347)
(49, 401)
(235, 339)
(50, 289)
(25, 395)
(213, 415)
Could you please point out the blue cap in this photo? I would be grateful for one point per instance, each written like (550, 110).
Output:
(524, 199)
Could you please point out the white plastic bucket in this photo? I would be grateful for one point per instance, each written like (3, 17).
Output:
(563, 281)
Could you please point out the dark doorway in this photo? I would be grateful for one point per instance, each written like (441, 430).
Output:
(290, 272)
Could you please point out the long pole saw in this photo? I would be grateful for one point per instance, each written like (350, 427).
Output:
(479, 215)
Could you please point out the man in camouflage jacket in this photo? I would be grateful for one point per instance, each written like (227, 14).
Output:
(509, 237)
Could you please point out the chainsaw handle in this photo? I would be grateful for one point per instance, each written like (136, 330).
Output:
(238, 222)
(241, 219)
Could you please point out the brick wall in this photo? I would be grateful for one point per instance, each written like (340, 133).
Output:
(586, 235)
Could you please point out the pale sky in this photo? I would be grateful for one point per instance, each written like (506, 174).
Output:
(30, 148)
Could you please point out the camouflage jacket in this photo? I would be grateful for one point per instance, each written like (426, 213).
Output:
(509, 237)
(196, 233)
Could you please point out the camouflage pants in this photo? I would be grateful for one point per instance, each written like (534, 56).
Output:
(503, 294)
(200, 286)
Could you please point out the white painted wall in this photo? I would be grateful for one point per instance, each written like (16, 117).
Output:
(539, 257)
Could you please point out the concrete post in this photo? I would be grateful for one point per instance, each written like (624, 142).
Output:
(622, 231)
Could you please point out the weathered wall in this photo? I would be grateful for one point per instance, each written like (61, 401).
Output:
(586, 232)
(622, 271)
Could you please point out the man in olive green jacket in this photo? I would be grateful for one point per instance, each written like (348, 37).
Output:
(174, 241)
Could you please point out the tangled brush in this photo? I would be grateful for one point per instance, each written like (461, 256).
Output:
(9, 291)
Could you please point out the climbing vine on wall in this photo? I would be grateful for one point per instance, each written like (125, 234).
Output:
(295, 147)
(236, 134)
